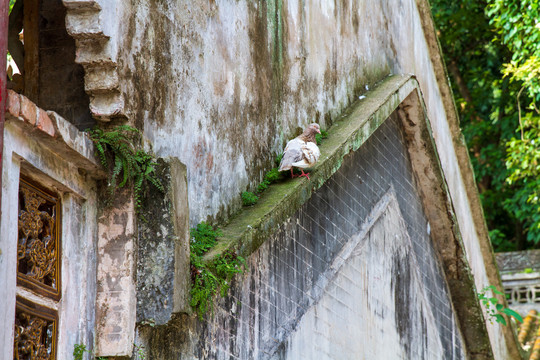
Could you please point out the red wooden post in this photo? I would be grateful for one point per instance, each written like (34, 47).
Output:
(4, 19)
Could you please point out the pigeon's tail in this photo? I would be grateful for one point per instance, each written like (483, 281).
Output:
(283, 166)
(288, 158)
(292, 154)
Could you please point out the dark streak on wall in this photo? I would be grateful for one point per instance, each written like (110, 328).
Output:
(156, 253)
(402, 295)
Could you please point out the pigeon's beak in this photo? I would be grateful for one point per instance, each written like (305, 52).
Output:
(317, 130)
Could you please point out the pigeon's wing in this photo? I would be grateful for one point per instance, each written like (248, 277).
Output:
(293, 153)
(311, 153)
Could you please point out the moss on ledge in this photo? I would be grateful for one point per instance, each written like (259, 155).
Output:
(252, 226)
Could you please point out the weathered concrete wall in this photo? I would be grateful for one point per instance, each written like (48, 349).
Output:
(356, 259)
(232, 80)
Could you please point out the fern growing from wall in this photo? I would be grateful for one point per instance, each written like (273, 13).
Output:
(128, 164)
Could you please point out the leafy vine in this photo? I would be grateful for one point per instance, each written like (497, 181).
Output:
(494, 309)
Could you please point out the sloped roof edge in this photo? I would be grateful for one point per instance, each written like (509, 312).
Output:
(462, 154)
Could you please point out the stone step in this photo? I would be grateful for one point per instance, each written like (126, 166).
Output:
(100, 79)
(92, 52)
(107, 105)
(84, 24)
(81, 4)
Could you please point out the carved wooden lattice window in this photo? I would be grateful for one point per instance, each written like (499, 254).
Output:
(38, 270)
(35, 331)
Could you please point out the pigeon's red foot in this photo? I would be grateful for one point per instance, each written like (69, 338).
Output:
(304, 174)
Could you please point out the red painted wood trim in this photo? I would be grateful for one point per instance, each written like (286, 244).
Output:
(4, 18)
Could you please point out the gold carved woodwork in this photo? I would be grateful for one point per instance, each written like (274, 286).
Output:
(38, 250)
(35, 332)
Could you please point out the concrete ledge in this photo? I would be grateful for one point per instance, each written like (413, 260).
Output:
(253, 225)
(54, 132)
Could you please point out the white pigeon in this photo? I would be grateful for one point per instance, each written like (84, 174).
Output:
(302, 151)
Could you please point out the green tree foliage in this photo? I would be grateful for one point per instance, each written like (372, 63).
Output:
(491, 50)
(516, 23)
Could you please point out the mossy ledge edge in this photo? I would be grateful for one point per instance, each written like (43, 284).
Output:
(253, 225)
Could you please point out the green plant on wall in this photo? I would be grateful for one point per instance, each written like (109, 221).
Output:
(249, 198)
(80, 349)
(319, 137)
(138, 350)
(494, 309)
(272, 176)
(209, 278)
(128, 164)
